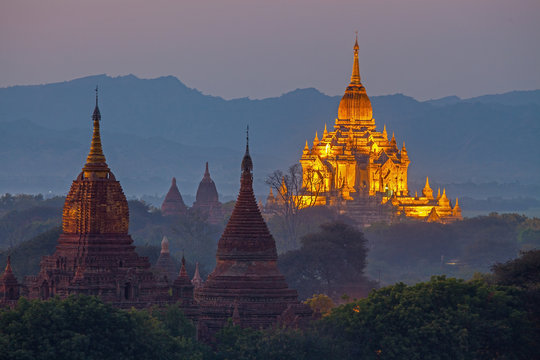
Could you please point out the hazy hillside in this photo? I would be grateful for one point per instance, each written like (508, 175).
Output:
(158, 128)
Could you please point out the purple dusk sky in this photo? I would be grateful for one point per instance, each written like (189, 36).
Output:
(234, 48)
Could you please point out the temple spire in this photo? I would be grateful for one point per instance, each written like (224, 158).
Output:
(197, 280)
(95, 162)
(247, 163)
(183, 272)
(165, 245)
(8, 266)
(355, 76)
(206, 171)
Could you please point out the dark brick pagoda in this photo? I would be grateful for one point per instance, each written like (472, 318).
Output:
(95, 254)
(173, 204)
(246, 284)
(9, 286)
(207, 199)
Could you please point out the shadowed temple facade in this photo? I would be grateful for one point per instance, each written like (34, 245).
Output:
(246, 284)
(95, 256)
(206, 205)
(355, 168)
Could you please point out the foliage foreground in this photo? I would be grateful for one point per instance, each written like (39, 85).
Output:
(440, 319)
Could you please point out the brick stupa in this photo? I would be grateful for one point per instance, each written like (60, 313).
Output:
(164, 263)
(9, 286)
(95, 254)
(246, 284)
(173, 205)
(207, 199)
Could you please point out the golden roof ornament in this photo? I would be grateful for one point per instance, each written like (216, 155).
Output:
(355, 104)
(95, 162)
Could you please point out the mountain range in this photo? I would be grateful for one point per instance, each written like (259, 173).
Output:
(154, 129)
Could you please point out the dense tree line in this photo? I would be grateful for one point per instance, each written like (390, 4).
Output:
(25, 216)
(412, 251)
(85, 328)
(440, 319)
(491, 317)
(444, 318)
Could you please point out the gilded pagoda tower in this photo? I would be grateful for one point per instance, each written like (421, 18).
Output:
(357, 168)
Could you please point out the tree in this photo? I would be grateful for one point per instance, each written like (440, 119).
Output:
(295, 191)
(440, 319)
(524, 274)
(234, 342)
(320, 304)
(83, 327)
(331, 262)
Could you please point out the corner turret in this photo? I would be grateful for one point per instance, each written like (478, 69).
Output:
(427, 190)
(9, 286)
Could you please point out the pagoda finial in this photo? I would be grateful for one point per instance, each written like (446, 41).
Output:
(165, 245)
(247, 163)
(427, 190)
(206, 171)
(325, 131)
(355, 76)
(384, 133)
(183, 271)
(247, 139)
(95, 162)
(197, 281)
(8, 265)
(456, 211)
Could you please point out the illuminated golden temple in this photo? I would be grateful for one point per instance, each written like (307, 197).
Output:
(357, 169)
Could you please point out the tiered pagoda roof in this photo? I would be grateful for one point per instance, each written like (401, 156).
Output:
(246, 279)
(173, 205)
(207, 199)
(95, 254)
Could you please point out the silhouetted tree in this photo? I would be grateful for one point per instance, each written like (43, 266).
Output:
(331, 262)
(294, 192)
(440, 319)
